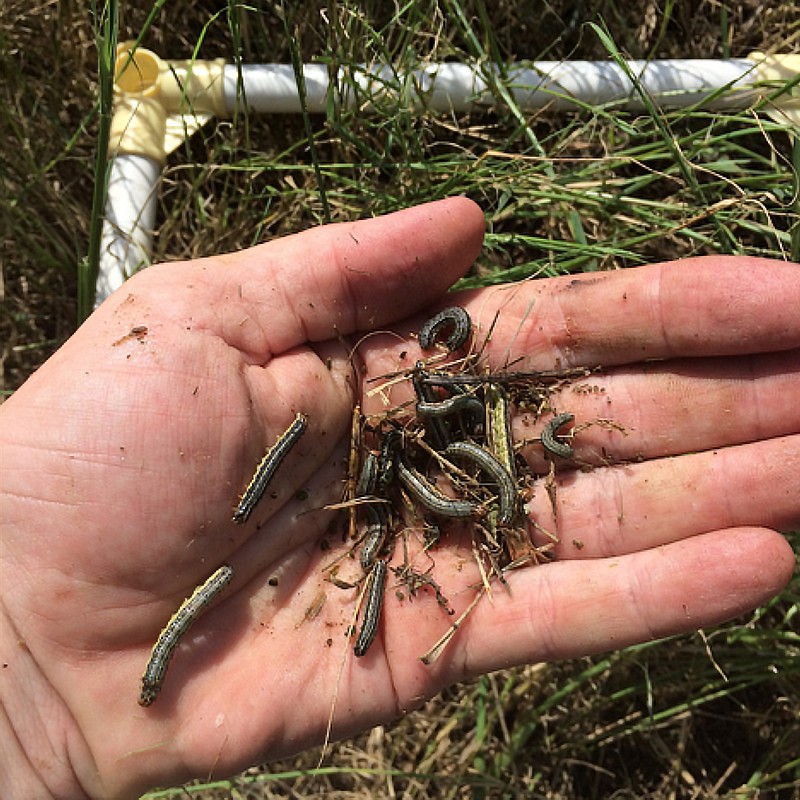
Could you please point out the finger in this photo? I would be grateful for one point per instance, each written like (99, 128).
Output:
(714, 305)
(618, 510)
(335, 279)
(569, 609)
(672, 407)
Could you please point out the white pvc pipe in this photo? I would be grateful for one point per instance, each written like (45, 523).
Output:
(152, 92)
(560, 85)
(129, 223)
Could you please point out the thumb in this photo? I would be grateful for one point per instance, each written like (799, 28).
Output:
(332, 280)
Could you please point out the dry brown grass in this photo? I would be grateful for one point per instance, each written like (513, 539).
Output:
(654, 721)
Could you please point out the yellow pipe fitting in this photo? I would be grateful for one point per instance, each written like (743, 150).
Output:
(139, 123)
(157, 104)
(778, 70)
(194, 87)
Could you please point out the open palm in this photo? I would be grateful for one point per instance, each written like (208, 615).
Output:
(123, 458)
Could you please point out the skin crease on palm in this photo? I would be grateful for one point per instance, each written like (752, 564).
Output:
(124, 455)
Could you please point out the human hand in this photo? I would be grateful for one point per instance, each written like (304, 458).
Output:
(125, 453)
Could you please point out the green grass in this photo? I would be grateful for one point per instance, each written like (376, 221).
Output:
(716, 714)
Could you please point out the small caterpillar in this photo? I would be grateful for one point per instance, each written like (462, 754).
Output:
(168, 640)
(266, 469)
(372, 611)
